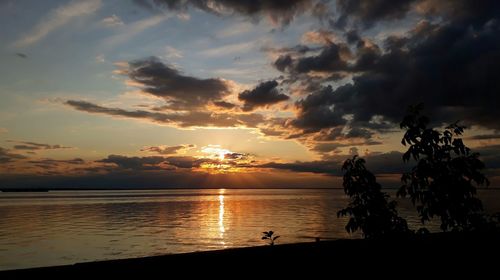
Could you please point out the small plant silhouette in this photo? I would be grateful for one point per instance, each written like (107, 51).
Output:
(268, 235)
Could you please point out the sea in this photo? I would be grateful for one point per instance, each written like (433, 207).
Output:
(40, 229)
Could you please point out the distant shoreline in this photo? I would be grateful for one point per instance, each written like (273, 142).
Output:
(6, 190)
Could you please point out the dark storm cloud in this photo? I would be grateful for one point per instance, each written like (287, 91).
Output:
(317, 111)
(352, 37)
(262, 95)
(471, 11)
(168, 150)
(279, 11)
(283, 62)
(180, 91)
(32, 146)
(6, 156)
(189, 119)
(451, 67)
(369, 11)
(298, 49)
(338, 133)
(330, 59)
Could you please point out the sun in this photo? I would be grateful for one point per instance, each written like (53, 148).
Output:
(215, 152)
(219, 160)
(221, 156)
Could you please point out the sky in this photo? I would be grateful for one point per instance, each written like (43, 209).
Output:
(243, 94)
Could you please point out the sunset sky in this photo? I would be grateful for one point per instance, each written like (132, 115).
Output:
(222, 93)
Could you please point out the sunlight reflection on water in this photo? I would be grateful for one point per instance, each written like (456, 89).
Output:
(41, 229)
(221, 217)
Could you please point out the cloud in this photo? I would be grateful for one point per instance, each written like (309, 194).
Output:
(264, 94)
(381, 163)
(341, 133)
(234, 30)
(112, 21)
(172, 52)
(321, 167)
(368, 12)
(168, 150)
(6, 156)
(317, 111)
(154, 162)
(58, 18)
(187, 119)
(278, 11)
(231, 49)
(178, 90)
(332, 58)
(135, 163)
(224, 104)
(51, 164)
(321, 37)
(186, 161)
(128, 31)
(450, 66)
(180, 171)
(33, 146)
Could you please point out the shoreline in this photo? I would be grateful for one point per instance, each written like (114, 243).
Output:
(462, 249)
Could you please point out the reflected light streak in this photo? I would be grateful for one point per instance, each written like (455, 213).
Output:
(221, 215)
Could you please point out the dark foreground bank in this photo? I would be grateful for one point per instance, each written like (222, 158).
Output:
(447, 253)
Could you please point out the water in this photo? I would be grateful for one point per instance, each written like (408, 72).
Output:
(64, 227)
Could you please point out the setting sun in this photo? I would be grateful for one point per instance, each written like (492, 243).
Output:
(215, 151)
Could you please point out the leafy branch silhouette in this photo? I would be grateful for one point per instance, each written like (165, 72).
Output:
(443, 182)
(369, 208)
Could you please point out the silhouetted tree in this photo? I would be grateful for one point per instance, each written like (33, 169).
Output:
(369, 209)
(269, 236)
(443, 183)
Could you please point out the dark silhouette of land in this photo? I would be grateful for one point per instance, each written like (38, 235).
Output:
(24, 190)
(450, 253)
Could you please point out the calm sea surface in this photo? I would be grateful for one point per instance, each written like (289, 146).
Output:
(64, 227)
